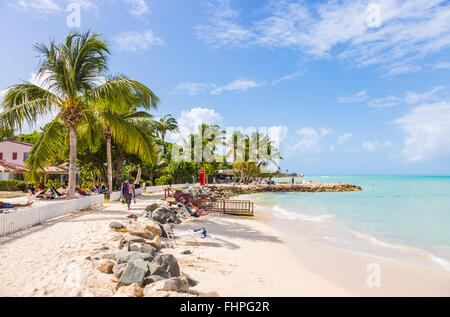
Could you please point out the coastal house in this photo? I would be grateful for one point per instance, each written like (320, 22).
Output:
(13, 155)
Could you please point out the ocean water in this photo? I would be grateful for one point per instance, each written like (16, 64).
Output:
(400, 217)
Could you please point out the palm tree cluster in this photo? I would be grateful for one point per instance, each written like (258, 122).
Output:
(250, 155)
(87, 104)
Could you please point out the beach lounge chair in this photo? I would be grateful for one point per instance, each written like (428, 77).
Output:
(57, 193)
(33, 198)
(48, 194)
(197, 236)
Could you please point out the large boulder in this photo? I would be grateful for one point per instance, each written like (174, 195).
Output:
(125, 257)
(148, 248)
(152, 279)
(163, 215)
(151, 226)
(135, 272)
(133, 290)
(167, 229)
(143, 248)
(165, 265)
(118, 269)
(110, 256)
(156, 243)
(106, 267)
(138, 230)
(116, 225)
(157, 204)
(177, 284)
(152, 207)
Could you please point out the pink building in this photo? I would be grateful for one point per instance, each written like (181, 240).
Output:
(13, 152)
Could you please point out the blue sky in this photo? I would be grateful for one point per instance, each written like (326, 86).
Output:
(351, 94)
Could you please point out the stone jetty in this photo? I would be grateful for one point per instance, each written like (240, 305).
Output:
(228, 191)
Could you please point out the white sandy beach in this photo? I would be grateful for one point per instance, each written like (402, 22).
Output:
(247, 257)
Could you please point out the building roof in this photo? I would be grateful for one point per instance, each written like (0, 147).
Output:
(17, 142)
(13, 168)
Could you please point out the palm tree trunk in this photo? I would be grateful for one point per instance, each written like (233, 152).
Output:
(72, 161)
(109, 163)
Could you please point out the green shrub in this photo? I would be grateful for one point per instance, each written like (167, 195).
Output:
(163, 180)
(10, 185)
(55, 183)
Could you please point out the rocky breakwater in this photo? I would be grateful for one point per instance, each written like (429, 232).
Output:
(228, 191)
(140, 266)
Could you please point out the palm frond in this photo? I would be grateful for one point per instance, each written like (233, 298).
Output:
(131, 137)
(122, 90)
(26, 102)
(50, 142)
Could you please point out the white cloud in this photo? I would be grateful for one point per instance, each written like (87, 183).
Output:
(41, 6)
(190, 120)
(386, 102)
(410, 30)
(223, 28)
(428, 132)
(344, 138)
(413, 98)
(137, 41)
(138, 7)
(356, 98)
(370, 146)
(135, 7)
(441, 65)
(241, 84)
(237, 85)
(190, 88)
(309, 140)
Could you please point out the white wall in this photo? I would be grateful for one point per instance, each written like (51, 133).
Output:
(15, 221)
(8, 148)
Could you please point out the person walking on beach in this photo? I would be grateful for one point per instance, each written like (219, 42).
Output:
(124, 191)
(131, 194)
(293, 180)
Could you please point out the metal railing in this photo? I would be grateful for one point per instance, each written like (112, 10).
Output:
(232, 207)
(225, 206)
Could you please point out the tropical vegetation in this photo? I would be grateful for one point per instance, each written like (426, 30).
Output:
(103, 130)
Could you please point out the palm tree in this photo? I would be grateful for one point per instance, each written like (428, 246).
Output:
(166, 124)
(126, 126)
(71, 75)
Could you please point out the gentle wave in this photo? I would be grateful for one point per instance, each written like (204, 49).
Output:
(405, 249)
(281, 212)
(284, 213)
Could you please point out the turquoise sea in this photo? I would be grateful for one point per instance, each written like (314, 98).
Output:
(401, 217)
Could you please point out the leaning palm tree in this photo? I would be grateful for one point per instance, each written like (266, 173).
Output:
(70, 73)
